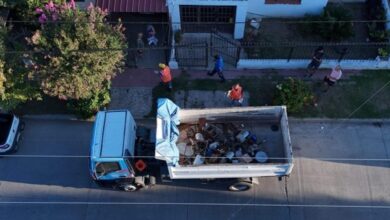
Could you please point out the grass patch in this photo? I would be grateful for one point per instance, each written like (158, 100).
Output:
(346, 97)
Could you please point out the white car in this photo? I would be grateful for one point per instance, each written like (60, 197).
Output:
(10, 130)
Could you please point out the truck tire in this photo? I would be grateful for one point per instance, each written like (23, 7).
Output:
(240, 186)
(128, 187)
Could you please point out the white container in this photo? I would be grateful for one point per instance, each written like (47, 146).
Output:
(199, 160)
(185, 149)
(199, 137)
(241, 137)
(230, 155)
(261, 157)
(214, 145)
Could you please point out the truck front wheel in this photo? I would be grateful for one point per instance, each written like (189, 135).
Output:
(240, 186)
(128, 187)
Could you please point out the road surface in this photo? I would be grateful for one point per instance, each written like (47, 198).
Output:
(323, 184)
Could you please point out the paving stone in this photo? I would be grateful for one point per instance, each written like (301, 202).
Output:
(137, 99)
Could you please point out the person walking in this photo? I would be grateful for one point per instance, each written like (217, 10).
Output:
(236, 95)
(140, 45)
(316, 61)
(218, 68)
(165, 75)
(332, 78)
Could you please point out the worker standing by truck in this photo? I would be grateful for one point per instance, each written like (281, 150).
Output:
(165, 75)
(236, 95)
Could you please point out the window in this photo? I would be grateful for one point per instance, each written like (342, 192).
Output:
(291, 2)
(104, 168)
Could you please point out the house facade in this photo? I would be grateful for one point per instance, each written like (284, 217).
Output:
(227, 16)
(187, 15)
(284, 8)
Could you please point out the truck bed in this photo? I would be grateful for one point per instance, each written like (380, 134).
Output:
(269, 123)
(269, 139)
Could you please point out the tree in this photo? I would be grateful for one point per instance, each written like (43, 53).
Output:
(76, 52)
(15, 84)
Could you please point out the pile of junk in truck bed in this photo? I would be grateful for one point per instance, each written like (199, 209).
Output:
(211, 143)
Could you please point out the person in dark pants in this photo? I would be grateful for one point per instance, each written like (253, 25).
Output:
(315, 61)
(218, 68)
(165, 75)
(332, 78)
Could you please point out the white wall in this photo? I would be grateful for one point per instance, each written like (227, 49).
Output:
(302, 64)
(386, 6)
(258, 8)
(347, 1)
(241, 12)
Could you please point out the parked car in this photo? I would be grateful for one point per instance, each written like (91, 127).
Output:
(10, 131)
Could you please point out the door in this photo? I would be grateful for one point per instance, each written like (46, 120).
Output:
(196, 19)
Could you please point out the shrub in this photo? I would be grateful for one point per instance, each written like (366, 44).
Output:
(294, 94)
(80, 50)
(329, 26)
(376, 30)
(86, 108)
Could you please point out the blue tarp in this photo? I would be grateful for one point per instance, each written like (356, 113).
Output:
(167, 132)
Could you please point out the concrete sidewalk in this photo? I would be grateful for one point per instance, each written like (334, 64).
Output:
(147, 78)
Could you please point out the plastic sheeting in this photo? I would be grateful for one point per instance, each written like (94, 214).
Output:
(167, 131)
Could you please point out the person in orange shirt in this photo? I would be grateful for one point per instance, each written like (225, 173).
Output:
(236, 95)
(165, 75)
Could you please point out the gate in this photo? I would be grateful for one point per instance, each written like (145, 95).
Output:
(228, 48)
(192, 54)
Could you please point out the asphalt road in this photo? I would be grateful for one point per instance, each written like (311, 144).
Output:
(318, 188)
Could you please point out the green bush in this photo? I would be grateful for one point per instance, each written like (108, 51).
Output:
(86, 108)
(376, 33)
(329, 26)
(376, 30)
(294, 94)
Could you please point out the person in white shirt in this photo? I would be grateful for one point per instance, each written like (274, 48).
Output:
(332, 78)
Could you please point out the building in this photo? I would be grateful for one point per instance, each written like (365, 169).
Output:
(228, 15)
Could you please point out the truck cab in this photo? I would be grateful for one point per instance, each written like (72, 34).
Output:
(112, 149)
(10, 131)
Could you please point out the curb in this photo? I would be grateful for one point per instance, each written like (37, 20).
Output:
(291, 119)
(66, 117)
(339, 120)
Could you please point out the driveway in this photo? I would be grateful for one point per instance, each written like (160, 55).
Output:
(329, 181)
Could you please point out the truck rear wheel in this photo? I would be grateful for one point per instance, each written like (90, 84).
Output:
(240, 186)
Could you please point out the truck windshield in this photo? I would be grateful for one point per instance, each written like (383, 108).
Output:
(104, 168)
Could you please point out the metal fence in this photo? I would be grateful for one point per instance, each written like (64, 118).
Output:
(192, 54)
(331, 51)
(228, 48)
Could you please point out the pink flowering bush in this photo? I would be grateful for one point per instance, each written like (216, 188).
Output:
(52, 11)
(81, 52)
